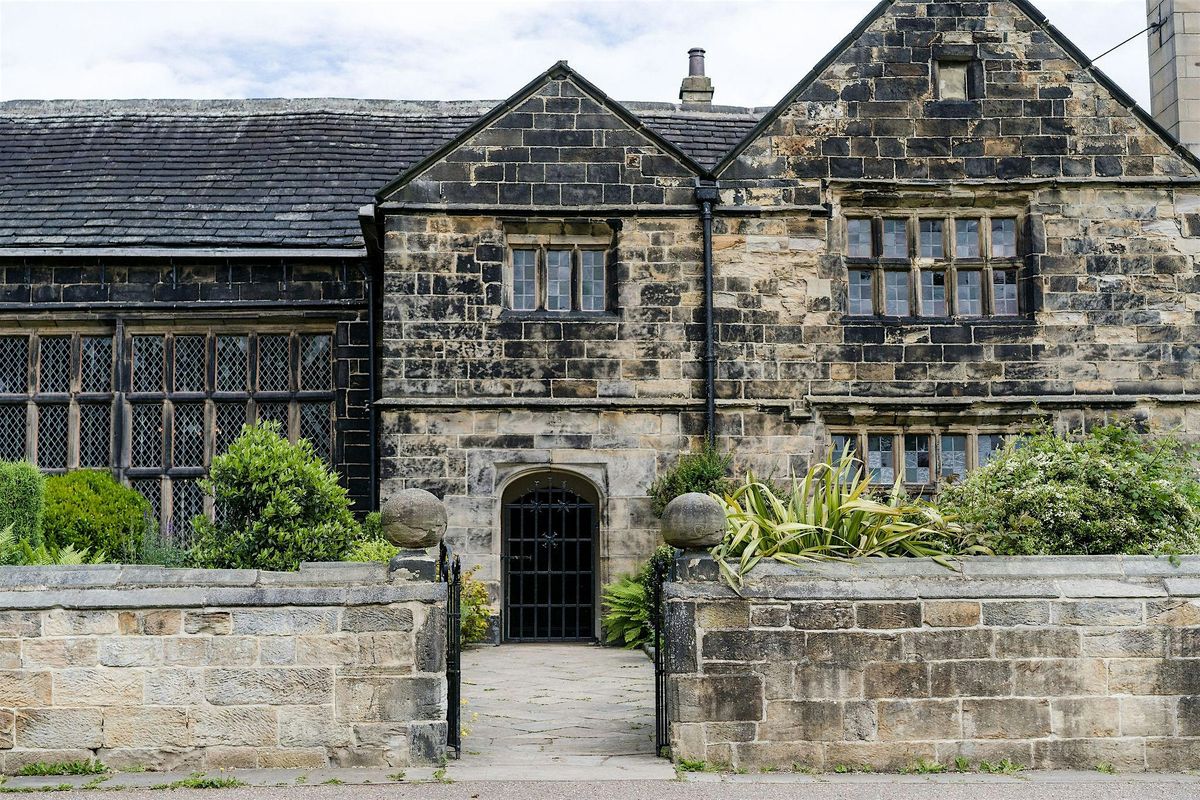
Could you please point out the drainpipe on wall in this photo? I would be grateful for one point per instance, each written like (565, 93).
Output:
(708, 195)
(369, 221)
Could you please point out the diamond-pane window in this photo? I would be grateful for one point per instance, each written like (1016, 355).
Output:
(52, 436)
(189, 435)
(274, 363)
(316, 367)
(187, 502)
(230, 419)
(12, 432)
(54, 376)
(274, 412)
(151, 489)
(95, 363)
(314, 426)
(189, 363)
(147, 363)
(232, 361)
(14, 364)
(145, 435)
(94, 438)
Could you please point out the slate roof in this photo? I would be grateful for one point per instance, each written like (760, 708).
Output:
(245, 173)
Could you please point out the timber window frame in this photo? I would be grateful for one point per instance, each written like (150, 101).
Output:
(923, 457)
(558, 275)
(934, 265)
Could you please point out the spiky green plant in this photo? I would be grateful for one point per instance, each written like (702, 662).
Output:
(627, 618)
(829, 515)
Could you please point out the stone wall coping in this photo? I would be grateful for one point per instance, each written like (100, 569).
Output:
(132, 586)
(1062, 577)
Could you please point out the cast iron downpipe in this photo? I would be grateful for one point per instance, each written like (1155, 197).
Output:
(708, 195)
(370, 220)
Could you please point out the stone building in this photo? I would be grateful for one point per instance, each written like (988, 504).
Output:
(952, 226)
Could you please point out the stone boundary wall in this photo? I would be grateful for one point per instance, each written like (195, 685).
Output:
(334, 665)
(1054, 663)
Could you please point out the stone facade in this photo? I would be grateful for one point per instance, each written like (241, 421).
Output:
(1062, 663)
(335, 665)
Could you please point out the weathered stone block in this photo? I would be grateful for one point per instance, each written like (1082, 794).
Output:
(146, 727)
(97, 687)
(971, 679)
(69, 622)
(828, 681)
(888, 615)
(395, 619)
(718, 698)
(268, 686)
(24, 688)
(753, 645)
(723, 615)
(129, 651)
(951, 613)
(232, 727)
(993, 750)
(59, 728)
(1126, 755)
(1018, 643)
(173, 686)
(851, 648)
(817, 616)
(1059, 677)
(378, 698)
(311, 726)
(802, 720)
(1129, 643)
(292, 758)
(213, 623)
(1005, 718)
(231, 757)
(7, 725)
(1098, 613)
(879, 756)
(756, 756)
(1086, 718)
(284, 621)
(769, 616)
(1147, 716)
(947, 645)
(917, 720)
(1016, 612)
(57, 653)
(20, 624)
(896, 679)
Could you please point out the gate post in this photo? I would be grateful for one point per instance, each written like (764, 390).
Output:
(415, 521)
(691, 522)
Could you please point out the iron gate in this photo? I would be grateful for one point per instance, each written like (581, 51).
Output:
(660, 571)
(549, 574)
(450, 573)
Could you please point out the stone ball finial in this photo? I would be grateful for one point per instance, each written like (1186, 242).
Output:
(692, 521)
(413, 519)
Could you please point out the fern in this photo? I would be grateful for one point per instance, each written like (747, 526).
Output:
(14, 553)
(627, 620)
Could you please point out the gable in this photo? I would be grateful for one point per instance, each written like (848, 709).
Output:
(559, 142)
(870, 110)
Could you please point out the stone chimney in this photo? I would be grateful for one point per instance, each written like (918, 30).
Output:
(1175, 67)
(696, 89)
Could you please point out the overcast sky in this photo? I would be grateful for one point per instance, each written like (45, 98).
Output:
(440, 49)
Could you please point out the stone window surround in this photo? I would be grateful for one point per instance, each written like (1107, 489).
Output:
(949, 265)
(575, 244)
(935, 434)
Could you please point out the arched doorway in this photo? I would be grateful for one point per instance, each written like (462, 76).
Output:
(550, 528)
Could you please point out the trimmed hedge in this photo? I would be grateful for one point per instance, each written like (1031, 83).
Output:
(22, 500)
(89, 510)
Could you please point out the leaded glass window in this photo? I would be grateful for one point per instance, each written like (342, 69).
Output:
(895, 297)
(881, 458)
(314, 426)
(273, 412)
(895, 238)
(54, 365)
(970, 293)
(230, 419)
(274, 363)
(931, 239)
(925, 459)
(188, 445)
(12, 432)
(95, 441)
(187, 504)
(989, 445)
(232, 361)
(917, 459)
(53, 436)
(14, 364)
(1004, 238)
(95, 357)
(151, 489)
(524, 291)
(966, 238)
(859, 238)
(316, 362)
(147, 368)
(558, 280)
(933, 293)
(861, 293)
(190, 363)
(953, 462)
(145, 435)
(1004, 292)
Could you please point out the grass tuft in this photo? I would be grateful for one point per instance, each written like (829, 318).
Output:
(42, 768)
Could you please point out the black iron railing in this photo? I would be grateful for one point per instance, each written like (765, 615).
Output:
(450, 573)
(662, 732)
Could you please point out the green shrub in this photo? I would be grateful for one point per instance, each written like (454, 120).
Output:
(829, 515)
(1111, 491)
(278, 504)
(15, 552)
(22, 500)
(89, 510)
(371, 550)
(475, 610)
(705, 471)
(628, 602)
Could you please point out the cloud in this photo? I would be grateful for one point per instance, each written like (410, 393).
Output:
(757, 49)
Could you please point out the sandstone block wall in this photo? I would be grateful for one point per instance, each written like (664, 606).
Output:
(178, 669)
(1058, 663)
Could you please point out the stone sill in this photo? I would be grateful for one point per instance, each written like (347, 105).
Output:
(997, 577)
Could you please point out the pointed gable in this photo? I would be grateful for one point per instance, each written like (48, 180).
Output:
(1035, 109)
(559, 142)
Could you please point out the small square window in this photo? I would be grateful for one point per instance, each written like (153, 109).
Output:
(524, 297)
(931, 239)
(858, 234)
(896, 293)
(970, 298)
(843, 443)
(953, 462)
(895, 238)
(989, 445)
(1004, 292)
(1004, 238)
(952, 80)
(880, 459)
(860, 293)
(592, 291)
(916, 459)
(966, 238)
(933, 293)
